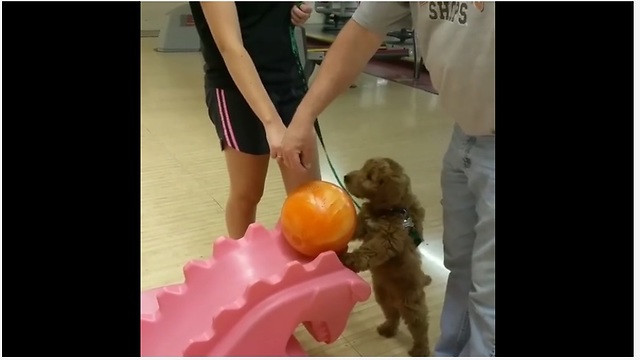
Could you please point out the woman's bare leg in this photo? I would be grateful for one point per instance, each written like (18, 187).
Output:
(247, 175)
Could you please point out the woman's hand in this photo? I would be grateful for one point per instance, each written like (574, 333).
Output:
(275, 132)
(300, 13)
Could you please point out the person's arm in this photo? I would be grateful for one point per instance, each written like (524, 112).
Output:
(222, 18)
(354, 46)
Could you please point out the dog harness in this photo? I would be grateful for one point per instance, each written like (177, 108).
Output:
(407, 223)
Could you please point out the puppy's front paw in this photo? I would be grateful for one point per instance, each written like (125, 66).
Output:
(419, 351)
(387, 329)
(347, 260)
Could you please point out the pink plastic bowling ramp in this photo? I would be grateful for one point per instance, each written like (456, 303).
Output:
(247, 299)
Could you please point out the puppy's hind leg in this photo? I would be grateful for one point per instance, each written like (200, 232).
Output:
(389, 328)
(416, 316)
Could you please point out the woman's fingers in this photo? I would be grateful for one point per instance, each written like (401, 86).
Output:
(300, 14)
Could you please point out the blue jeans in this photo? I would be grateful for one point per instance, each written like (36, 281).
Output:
(468, 199)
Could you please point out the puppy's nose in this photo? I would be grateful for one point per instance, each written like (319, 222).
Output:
(346, 178)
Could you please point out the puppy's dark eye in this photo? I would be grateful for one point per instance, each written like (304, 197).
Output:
(369, 177)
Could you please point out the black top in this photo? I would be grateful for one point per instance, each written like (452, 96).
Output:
(267, 34)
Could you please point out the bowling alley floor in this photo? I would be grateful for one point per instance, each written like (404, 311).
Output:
(184, 183)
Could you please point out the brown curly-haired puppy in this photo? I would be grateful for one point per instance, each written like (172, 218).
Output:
(388, 250)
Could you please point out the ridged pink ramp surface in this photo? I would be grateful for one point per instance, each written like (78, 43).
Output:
(247, 299)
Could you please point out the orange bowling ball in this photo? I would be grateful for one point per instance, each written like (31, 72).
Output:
(318, 217)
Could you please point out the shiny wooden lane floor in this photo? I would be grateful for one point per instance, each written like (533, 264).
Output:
(184, 183)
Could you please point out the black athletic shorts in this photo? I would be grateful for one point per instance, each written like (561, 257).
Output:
(238, 126)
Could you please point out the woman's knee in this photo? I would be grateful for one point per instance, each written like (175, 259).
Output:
(247, 174)
(247, 196)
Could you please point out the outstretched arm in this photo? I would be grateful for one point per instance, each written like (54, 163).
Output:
(349, 54)
(355, 45)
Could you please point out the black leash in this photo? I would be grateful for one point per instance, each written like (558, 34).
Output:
(316, 126)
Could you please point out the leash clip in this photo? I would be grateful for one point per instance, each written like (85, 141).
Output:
(407, 221)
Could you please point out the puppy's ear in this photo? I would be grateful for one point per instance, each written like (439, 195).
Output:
(396, 181)
(390, 175)
(393, 188)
